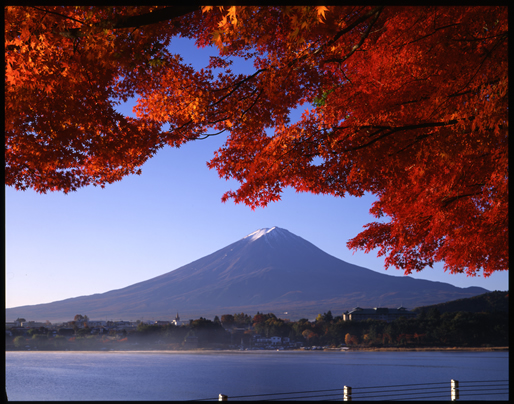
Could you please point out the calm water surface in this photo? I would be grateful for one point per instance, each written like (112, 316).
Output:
(187, 376)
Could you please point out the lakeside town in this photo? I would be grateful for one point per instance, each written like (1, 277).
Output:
(357, 329)
(31, 332)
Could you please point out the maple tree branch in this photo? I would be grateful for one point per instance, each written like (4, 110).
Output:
(505, 33)
(218, 120)
(59, 14)
(164, 14)
(427, 35)
(249, 95)
(136, 21)
(416, 140)
(237, 85)
(504, 37)
(488, 54)
(446, 201)
(376, 11)
(210, 134)
(457, 94)
(344, 74)
(393, 130)
(253, 104)
(226, 118)
(86, 72)
(180, 127)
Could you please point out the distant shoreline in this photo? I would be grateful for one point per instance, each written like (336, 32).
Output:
(333, 350)
(393, 349)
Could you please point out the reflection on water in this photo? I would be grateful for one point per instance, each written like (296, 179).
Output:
(182, 376)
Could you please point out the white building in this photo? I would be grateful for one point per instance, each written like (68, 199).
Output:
(276, 340)
(378, 313)
(177, 321)
(32, 324)
(99, 323)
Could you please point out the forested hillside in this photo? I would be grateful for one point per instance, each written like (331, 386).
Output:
(491, 302)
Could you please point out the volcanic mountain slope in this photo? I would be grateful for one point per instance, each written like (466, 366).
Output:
(270, 270)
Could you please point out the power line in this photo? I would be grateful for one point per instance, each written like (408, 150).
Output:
(396, 392)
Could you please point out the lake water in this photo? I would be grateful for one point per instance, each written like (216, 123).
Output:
(88, 376)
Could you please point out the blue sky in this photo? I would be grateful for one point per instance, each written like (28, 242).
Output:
(95, 240)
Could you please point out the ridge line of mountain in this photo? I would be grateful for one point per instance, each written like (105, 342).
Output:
(270, 269)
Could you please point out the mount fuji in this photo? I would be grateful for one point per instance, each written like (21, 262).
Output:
(270, 270)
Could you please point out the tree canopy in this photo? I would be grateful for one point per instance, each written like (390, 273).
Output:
(407, 103)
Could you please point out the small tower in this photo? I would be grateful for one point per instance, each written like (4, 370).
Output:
(177, 321)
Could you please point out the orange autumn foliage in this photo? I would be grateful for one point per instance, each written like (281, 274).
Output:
(407, 103)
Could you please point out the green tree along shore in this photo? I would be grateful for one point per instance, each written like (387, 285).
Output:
(431, 328)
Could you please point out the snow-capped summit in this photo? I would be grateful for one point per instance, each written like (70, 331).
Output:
(261, 232)
(273, 235)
